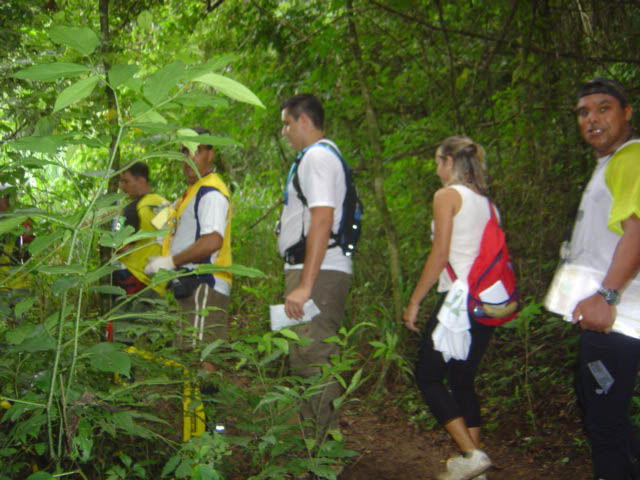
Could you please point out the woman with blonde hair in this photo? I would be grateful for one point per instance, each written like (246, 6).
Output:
(460, 213)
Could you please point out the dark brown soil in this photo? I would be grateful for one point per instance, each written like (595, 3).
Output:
(390, 448)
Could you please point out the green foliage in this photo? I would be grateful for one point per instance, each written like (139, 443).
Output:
(174, 64)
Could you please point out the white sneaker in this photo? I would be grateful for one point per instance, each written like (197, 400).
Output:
(466, 468)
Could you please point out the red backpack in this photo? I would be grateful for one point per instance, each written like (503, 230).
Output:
(492, 265)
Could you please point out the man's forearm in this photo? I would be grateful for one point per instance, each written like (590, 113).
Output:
(316, 247)
(202, 248)
(626, 258)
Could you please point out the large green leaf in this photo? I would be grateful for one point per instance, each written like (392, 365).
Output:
(48, 144)
(40, 476)
(157, 86)
(107, 357)
(75, 92)
(187, 137)
(142, 234)
(64, 283)
(240, 270)
(209, 66)
(115, 239)
(168, 154)
(108, 200)
(53, 320)
(205, 140)
(145, 20)
(198, 98)
(61, 269)
(24, 305)
(125, 420)
(144, 115)
(35, 162)
(38, 341)
(154, 128)
(46, 241)
(11, 223)
(230, 88)
(48, 72)
(82, 39)
(109, 290)
(19, 334)
(120, 74)
(98, 273)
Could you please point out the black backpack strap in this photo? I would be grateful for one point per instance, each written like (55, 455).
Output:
(295, 180)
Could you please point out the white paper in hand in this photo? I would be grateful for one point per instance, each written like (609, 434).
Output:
(280, 320)
(572, 283)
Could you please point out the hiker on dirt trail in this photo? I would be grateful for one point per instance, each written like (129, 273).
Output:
(606, 238)
(200, 234)
(138, 213)
(460, 214)
(316, 267)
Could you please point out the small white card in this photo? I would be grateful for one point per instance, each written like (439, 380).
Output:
(496, 294)
(280, 320)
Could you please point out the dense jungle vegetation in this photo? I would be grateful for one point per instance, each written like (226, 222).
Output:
(88, 87)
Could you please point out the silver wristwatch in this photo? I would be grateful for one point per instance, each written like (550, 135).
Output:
(611, 296)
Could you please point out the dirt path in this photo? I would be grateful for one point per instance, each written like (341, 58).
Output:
(392, 449)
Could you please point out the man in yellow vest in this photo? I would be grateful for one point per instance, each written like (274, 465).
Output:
(200, 234)
(138, 213)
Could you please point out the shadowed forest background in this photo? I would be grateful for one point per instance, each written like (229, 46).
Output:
(90, 86)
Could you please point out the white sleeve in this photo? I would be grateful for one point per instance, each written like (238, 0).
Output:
(212, 213)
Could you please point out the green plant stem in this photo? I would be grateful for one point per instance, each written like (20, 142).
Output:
(56, 363)
(76, 329)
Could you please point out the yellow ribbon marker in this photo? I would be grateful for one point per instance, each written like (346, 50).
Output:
(193, 416)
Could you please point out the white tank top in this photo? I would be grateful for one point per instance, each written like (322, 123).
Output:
(468, 227)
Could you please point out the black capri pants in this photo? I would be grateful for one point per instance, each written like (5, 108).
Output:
(460, 399)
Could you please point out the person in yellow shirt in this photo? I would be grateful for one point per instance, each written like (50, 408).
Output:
(138, 213)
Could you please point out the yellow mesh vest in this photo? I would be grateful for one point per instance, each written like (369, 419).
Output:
(224, 255)
(136, 261)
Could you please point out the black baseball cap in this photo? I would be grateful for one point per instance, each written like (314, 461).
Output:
(604, 85)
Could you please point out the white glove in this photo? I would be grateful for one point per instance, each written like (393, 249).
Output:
(156, 263)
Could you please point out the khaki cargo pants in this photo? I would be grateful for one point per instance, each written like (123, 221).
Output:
(203, 329)
(330, 295)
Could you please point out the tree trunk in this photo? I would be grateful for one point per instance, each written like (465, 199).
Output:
(112, 119)
(378, 180)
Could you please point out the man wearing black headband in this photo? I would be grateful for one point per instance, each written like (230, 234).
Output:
(606, 238)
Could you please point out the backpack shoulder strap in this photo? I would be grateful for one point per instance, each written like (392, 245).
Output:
(201, 193)
(295, 180)
(451, 273)
(492, 214)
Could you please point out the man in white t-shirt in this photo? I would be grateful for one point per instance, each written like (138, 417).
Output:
(606, 237)
(315, 266)
(201, 234)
